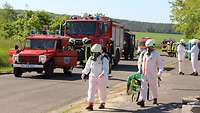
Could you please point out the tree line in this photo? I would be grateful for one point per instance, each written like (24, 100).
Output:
(147, 27)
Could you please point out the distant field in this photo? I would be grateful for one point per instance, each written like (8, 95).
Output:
(158, 36)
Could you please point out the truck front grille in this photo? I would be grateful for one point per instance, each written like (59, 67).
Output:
(28, 59)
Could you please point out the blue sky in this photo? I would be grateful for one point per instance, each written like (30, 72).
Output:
(138, 10)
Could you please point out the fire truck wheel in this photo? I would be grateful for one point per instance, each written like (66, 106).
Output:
(110, 67)
(117, 58)
(39, 71)
(131, 55)
(49, 69)
(68, 70)
(17, 72)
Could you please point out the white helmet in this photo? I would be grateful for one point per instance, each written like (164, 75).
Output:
(72, 41)
(85, 40)
(150, 43)
(182, 41)
(96, 48)
(194, 41)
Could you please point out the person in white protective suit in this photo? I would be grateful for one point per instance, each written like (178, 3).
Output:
(97, 67)
(152, 68)
(181, 56)
(140, 59)
(194, 56)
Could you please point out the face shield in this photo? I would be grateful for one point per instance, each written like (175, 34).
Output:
(95, 55)
(150, 49)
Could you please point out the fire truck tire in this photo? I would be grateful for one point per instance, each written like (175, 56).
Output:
(131, 55)
(49, 69)
(68, 70)
(110, 68)
(39, 71)
(125, 55)
(117, 57)
(17, 72)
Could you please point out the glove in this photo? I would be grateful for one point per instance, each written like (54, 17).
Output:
(83, 77)
(159, 78)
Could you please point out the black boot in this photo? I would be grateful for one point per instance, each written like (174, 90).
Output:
(196, 74)
(155, 101)
(102, 106)
(181, 73)
(141, 103)
(89, 107)
(192, 73)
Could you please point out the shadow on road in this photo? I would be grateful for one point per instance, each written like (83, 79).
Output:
(117, 79)
(161, 108)
(125, 67)
(168, 68)
(57, 76)
(179, 89)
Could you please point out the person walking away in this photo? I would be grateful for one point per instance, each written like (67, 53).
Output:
(151, 63)
(181, 56)
(97, 67)
(194, 56)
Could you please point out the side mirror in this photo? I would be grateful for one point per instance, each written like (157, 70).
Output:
(16, 47)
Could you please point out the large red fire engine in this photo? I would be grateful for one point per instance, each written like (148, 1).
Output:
(43, 53)
(86, 31)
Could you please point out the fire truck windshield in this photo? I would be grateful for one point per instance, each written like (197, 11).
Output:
(40, 44)
(81, 28)
(142, 43)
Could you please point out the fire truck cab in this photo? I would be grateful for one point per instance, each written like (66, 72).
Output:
(86, 31)
(44, 53)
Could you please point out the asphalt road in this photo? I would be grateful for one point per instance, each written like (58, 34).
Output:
(36, 94)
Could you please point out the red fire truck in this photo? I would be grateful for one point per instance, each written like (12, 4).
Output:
(86, 31)
(141, 43)
(43, 53)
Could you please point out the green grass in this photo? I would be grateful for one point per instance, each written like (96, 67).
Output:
(5, 46)
(158, 37)
(6, 69)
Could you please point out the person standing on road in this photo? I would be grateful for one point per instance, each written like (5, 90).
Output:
(151, 63)
(181, 56)
(97, 67)
(140, 59)
(194, 56)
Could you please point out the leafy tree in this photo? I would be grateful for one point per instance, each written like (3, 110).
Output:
(24, 24)
(8, 13)
(186, 16)
(7, 16)
(56, 22)
(44, 18)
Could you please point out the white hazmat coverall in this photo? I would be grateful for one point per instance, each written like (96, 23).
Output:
(96, 83)
(194, 57)
(181, 55)
(150, 67)
(140, 60)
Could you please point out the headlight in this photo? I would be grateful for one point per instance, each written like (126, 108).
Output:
(15, 58)
(42, 58)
